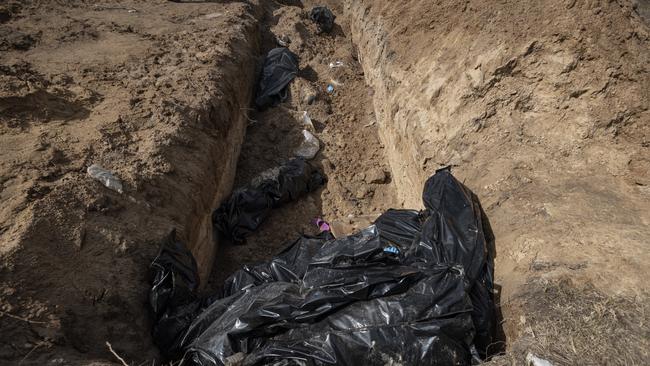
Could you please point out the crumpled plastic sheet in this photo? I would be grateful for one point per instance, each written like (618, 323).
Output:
(412, 289)
(280, 67)
(172, 298)
(458, 231)
(245, 210)
(400, 227)
(324, 17)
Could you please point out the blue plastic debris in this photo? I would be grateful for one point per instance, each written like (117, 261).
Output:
(391, 250)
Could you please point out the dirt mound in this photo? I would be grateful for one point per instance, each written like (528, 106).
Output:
(546, 116)
(154, 92)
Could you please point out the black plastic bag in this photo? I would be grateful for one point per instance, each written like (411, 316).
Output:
(347, 302)
(280, 67)
(324, 17)
(172, 298)
(400, 227)
(248, 207)
(452, 229)
(288, 266)
(415, 288)
(457, 231)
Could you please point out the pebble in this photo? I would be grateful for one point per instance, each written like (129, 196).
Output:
(309, 95)
(362, 192)
(376, 175)
(328, 164)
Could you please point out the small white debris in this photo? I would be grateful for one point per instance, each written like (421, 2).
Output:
(105, 177)
(532, 360)
(309, 146)
(306, 121)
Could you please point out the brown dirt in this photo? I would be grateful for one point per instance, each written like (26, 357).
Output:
(153, 91)
(351, 154)
(542, 109)
(537, 108)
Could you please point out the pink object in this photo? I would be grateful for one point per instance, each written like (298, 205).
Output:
(322, 225)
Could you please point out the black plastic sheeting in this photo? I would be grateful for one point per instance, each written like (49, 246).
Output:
(172, 298)
(415, 288)
(248, 207)
(324, 17)
(280, 67)
(458, 231)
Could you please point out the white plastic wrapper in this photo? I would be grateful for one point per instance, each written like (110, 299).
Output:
(309, 146)
(532, 360)
(306, 121)
(105, 177)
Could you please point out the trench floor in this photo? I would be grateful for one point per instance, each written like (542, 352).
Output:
(352, 157)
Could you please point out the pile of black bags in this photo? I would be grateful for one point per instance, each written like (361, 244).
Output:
(415, 288)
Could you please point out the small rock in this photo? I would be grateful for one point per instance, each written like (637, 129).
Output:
(328, 164)
(212, 15)
(362, 192)
(309, 95)
(79, 236)
(283, 40)
(376, 175)
(122, 248)
(204, 57)
(100, 204)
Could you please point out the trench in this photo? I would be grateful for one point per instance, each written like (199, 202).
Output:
(362, 159)
(388, 123)
(359, 181)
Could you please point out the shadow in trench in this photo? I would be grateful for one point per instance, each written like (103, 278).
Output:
(498, 345)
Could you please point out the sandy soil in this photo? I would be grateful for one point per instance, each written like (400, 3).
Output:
(541, 112)
(352, 157)
(154, 92)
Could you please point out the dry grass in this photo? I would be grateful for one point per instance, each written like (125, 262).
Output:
(578, 325)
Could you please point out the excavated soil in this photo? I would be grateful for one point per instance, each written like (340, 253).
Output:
(352, 157)
(156, 93)
(540, 108)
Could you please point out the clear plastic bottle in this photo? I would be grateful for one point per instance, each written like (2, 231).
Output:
(309, 146)
(105, 177)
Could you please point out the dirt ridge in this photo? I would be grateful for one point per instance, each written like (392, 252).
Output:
(158, 94)
(545, 117)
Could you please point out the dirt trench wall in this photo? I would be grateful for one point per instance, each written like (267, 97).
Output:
(539, 111)
(156, 92)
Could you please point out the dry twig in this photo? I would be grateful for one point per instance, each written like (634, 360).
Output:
(110, 348)
(19, 318)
